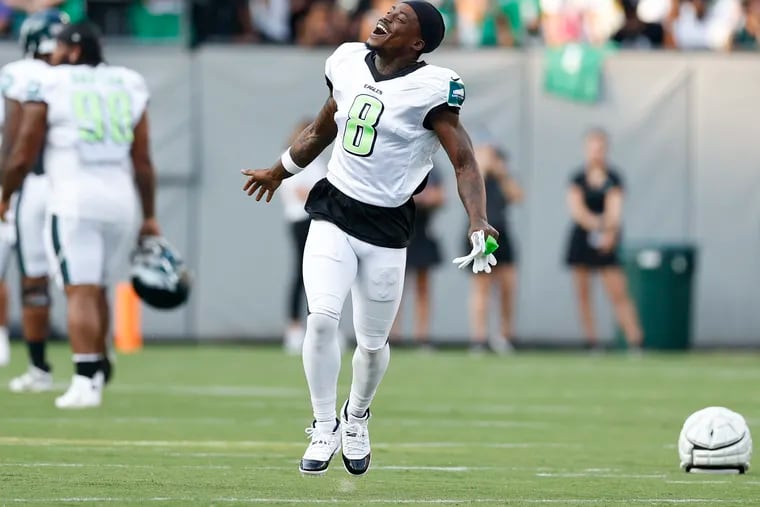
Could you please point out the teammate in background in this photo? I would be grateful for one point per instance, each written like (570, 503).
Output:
(595, 201)
(422, 255)
(294, 193)
(37, 39)
(388, 113)
(91, 118)
(501, 191)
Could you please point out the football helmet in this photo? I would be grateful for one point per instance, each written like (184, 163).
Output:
(39, 31)
(159, 275)
(715, 438)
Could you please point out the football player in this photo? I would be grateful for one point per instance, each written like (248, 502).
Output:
(37, 39)
(92, 120)
(388, 112)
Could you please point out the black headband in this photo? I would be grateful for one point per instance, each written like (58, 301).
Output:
(432, 28)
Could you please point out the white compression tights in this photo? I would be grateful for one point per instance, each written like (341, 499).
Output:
(335, 263)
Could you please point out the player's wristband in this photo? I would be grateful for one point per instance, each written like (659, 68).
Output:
(289, 164)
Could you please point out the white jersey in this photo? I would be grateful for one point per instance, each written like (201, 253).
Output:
(92, 113)
(15, 78)
(384, 147)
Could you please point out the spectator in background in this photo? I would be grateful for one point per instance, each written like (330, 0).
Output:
(323, 25)
(595, 201)
(635, 32)
(6, 18)
(224, 19)
(272, 19)
(294, 192)
(478, 23)
(501, 191)
(748, 36)
(156, 19)
(575, 21)
(422, 254)
(702, 24)
(76, 9)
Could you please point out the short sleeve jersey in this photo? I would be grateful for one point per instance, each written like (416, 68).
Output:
(15, 78)
(91, 116)
(384, 147)
(594, 197)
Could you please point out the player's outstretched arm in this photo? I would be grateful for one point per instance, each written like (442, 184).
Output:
(472, 190)
(145, 176)
(24, 152)
(307, 146)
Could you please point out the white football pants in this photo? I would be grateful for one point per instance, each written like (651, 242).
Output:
(335, 263)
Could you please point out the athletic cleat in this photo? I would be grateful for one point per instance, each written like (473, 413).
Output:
(355, 437)
(84, 392)
(323, 446)
(34, 380)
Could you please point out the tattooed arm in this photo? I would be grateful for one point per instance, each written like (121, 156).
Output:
(472, 191)
(308, 145)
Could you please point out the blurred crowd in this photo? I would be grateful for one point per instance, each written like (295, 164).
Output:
(644, 24)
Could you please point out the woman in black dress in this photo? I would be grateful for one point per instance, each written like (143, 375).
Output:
(422, 254)
(595, 201)
(501, 191)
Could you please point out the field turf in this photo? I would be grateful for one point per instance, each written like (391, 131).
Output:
(224, 425)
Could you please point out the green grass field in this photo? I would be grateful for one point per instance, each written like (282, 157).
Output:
(222, 425)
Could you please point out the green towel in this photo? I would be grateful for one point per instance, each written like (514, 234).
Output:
(574, 71)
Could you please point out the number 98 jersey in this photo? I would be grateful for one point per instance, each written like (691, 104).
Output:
(91, 116)
(384, 147)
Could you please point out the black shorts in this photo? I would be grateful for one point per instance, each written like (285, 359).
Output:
(581, 254)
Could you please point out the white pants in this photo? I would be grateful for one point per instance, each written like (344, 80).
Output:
(335, 263)
(30, 226)
(87, 252)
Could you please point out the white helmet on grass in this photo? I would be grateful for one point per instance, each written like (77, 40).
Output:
(715, 438)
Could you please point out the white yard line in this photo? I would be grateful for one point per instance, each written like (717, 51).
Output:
(567, 475)
(252, 444)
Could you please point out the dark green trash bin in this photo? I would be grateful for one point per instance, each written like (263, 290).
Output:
(661, 281)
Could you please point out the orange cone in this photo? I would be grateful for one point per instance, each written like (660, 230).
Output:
(128, 333)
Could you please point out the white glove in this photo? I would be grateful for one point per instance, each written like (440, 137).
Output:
(477, 256)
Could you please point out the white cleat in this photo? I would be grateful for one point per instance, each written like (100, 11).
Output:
(83, 392)
(5, 347)
(324, 445)
(34, 380)
(355, 437)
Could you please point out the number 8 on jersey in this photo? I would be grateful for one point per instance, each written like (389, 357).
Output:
(363, 117)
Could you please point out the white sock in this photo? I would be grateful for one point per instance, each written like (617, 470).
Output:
(369, 368)
(321, 363)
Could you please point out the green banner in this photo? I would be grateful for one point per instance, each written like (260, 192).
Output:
(574, 72)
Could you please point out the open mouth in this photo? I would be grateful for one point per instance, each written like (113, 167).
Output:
(381, 29)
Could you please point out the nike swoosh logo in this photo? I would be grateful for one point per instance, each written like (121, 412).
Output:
(456, 78)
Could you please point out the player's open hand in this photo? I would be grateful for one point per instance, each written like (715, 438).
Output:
(261, 182)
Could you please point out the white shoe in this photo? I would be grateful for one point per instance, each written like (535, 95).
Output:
(5, 347)
(500, 345)
(324, 445)
(294, 340)
(34, 380)
(84, 392)
(355, 437)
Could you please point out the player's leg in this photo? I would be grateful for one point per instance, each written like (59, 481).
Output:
(295, 332)
(625, 311)
(506, 278)
(422, 306)
(77, 253)
(479, 298)
(376, 296)
(329, 269)
(35, 297)
(7, 242)
(582, 279)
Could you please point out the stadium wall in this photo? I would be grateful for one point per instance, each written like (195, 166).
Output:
(684, 134)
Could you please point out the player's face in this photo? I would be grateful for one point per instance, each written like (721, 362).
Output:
(596, 149)
(399, 29)
(63, 53)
